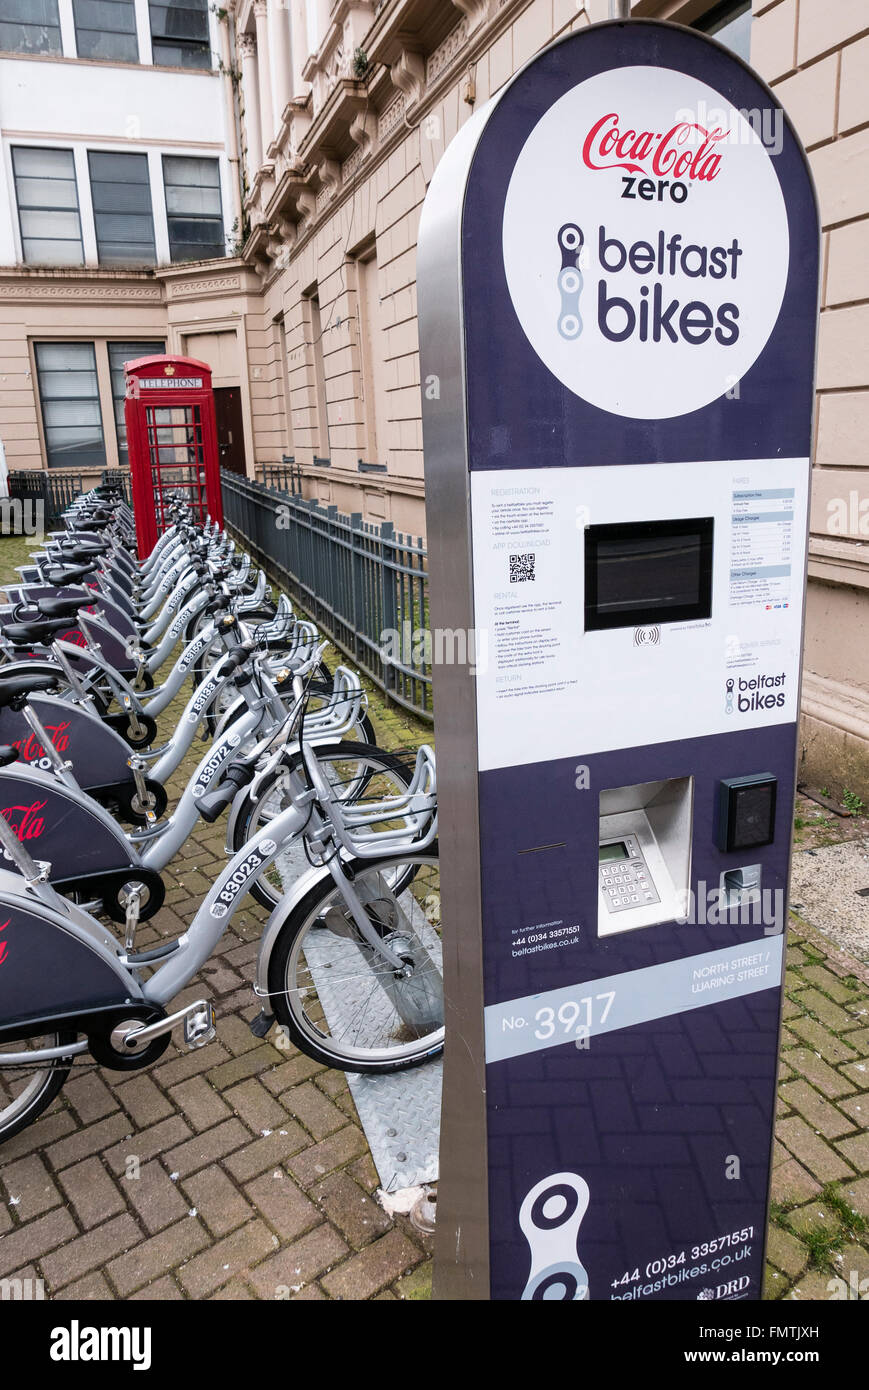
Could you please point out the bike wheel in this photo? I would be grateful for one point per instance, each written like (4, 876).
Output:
(340, 1002)
(26, 1091)
(358, 771)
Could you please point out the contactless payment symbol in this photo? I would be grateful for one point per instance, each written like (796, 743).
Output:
(550, 1217)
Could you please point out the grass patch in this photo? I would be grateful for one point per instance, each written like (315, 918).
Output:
(855, 1224)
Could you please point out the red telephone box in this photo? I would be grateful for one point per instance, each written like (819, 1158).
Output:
(172, 442)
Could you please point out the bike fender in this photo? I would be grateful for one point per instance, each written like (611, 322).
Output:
(53, 962)
(281, 912)
(67, 828)
(98, 754)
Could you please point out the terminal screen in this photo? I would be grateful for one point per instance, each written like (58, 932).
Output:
(639, 573)
(616, 851)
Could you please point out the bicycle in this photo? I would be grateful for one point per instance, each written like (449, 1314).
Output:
(362, 923)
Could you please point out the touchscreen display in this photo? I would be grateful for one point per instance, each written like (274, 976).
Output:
(638, 574)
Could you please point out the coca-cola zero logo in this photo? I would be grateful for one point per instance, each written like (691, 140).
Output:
(686, 151)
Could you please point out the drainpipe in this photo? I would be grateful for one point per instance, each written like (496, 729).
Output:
(230, 96)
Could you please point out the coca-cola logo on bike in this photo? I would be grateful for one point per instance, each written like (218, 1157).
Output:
(26, 821)
(645, 241)
(4, 945)
(30, 749)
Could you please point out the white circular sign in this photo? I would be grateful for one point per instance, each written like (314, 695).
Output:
(645, 241)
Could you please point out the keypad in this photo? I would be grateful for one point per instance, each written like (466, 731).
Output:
(627, 883)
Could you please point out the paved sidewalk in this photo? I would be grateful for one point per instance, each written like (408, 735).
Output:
(240, 1171)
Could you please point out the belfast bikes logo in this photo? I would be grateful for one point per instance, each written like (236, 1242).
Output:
(550, 1218)
(754, 694)
(676, 245)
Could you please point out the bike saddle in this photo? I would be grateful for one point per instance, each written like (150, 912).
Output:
(70, 576)
(84, 553)
(35, 633)
(63, 607)
(8, 754)
(16, 691)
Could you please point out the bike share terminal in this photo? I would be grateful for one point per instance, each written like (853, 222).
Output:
(618, 284)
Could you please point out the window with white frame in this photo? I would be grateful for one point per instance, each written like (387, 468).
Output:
(69, 394)
(106, 29)
(179, 33)
(121, 197)
(47, 198)
(193, 207)
(119, 353)
(29, 26)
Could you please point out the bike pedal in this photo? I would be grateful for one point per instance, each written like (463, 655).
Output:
(260, 1025)
(199, 1027)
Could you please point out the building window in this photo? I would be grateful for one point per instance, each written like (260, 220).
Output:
(106, 29)
(29, 26)
(320, 404)
(372, 340)
(121, 194)
(47, 197)
(193, 208)
(69, 394)
(730, 24)
(119, 353)
(179, 33)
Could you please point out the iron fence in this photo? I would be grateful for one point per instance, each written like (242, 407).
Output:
(46, 493)
(286, 475)
(363, 583)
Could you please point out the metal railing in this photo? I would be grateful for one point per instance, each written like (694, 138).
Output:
(364, 584)
(286, 475)
(54, 489)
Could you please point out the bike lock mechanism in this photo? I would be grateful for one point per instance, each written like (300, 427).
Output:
(145, 800)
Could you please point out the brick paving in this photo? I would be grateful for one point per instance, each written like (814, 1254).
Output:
(240, 1171)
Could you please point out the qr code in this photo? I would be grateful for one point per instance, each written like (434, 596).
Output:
(521, 568)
